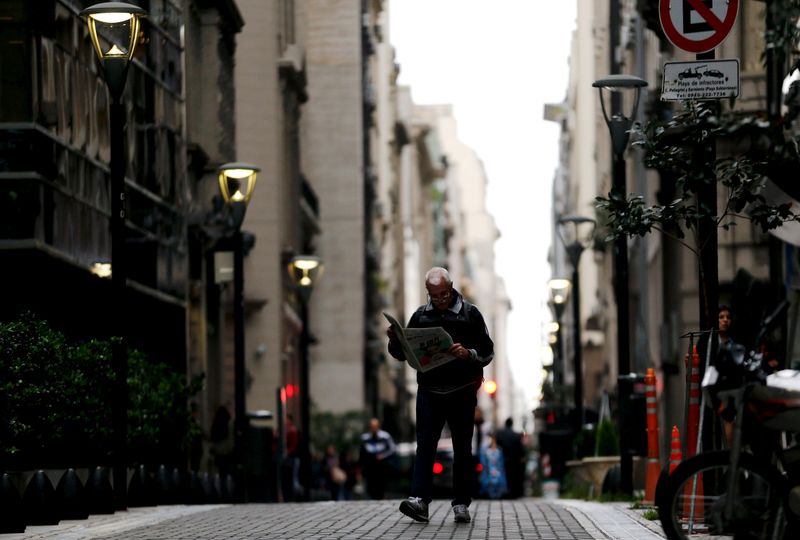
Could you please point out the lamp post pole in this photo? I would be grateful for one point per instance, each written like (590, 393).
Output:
(301, 268)
(559, 288)
(114, 28)
(574, 249)
(305, 399)
(237, 181)
(119, 354)
(619, 127)
(240, 421)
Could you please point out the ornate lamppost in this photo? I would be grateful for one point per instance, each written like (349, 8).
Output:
(237, 181)
(114, 29)
(619, 126)
(576, 233)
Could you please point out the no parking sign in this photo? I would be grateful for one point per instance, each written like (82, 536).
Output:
(697, 26)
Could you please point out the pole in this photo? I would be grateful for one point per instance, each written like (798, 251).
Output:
(622, 295)
(708, 268)
(119, 355)
(238, 367)
(558, 360)
(577, 356)
(707, 234)
(305, 400)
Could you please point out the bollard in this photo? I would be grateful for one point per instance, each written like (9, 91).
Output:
(653, 464)
(693, 426)
(70, 497)
(99, 492)
(39, 501)
(12, 518)
(675, 455)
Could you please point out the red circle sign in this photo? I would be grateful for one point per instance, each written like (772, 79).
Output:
(694, 26)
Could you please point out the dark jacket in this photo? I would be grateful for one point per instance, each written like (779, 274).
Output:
(465, 324)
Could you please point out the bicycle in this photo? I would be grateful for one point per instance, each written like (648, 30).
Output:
(741, 493)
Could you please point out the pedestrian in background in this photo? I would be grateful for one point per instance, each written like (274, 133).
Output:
(447, 393)
(493, 475)
(513, 457)
(377, 448)
(335, 476)
(290, 472)
(222, 440)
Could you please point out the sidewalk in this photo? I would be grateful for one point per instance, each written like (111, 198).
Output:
(496, 520)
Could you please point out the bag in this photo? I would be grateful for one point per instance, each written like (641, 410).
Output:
(338, 475)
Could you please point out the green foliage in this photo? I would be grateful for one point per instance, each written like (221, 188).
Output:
(56, 400)
(607, 440)
(784, 35)
(650, 514)
(680, 150)
(573, 489)
(555, 394)
(160, 425)
(585, 443)
(342, 430)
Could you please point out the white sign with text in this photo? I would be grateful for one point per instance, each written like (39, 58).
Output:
(707, 79)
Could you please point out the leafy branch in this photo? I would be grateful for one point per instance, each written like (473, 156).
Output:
(680, 150)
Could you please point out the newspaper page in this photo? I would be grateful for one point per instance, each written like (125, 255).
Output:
(424, 348)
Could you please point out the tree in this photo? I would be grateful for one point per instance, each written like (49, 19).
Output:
(684, 151)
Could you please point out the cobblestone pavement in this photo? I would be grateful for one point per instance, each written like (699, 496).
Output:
(492, 520)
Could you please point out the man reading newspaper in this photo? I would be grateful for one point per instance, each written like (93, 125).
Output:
(447, 392)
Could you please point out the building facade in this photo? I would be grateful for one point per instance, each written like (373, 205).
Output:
(755, 270)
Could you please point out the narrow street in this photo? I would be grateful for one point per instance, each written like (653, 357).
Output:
(500, 520)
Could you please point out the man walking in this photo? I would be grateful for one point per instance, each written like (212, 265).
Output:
(447, 393)
(514, 458)
(377, 446)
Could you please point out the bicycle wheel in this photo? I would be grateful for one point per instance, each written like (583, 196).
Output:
(701, 500)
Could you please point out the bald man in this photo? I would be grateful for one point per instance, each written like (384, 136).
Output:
(447, 393)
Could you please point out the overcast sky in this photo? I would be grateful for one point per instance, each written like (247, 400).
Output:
(498, 62)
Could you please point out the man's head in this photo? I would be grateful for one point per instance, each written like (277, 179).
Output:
(724, 319)
(440, 287)
(374, 425)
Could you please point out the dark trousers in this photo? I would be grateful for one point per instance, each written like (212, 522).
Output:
(433, 410)
(376, 476)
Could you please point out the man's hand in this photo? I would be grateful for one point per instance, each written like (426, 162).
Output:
(458, 350)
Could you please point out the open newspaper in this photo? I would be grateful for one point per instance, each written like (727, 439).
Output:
(424, 348)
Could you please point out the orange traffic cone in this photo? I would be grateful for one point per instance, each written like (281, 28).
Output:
(675, 455)
(653, 465)
(693, 426)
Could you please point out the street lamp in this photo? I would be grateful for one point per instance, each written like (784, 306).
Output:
(236, 184)
(305, 270)
(576, 233)
(619, 126)
(559, 292)
(114, 29)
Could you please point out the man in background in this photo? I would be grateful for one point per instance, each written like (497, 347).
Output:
(377, 447)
